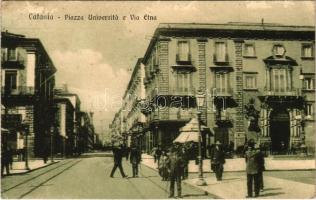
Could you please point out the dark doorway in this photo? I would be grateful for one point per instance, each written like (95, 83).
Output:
(280, 131)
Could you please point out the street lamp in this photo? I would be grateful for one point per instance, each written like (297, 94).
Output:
(52, 130)
(200, 98)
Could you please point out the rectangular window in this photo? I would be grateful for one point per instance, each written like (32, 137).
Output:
(184, 81)
(279, 79)
(3, 54)
(309, 111)
(10, 80)
(183, 51)
(307, 50)
(250, 81)
(220, 52)
(250, 50)
(222, 82)
(12, 54)
(309, 83)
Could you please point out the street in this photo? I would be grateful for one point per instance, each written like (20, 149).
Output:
(89, 178)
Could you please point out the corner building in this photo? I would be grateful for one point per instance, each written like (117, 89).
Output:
(267, 66)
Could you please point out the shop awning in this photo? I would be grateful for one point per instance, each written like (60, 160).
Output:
(190, 132)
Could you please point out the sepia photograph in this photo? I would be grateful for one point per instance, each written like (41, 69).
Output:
(157, 99)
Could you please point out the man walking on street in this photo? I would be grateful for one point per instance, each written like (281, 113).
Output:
(252, 169)
(135, 158)
(118, 153)
(218, 160)
(175, 167)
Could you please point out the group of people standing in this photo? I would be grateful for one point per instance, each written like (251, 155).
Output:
(173, 167)
(254, 166)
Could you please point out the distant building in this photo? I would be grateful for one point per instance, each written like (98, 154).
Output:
(28, 79)
(86, 132)
(68, 106)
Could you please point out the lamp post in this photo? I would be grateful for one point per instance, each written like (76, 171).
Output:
(200, 98)
(52, 129)
(26, 133)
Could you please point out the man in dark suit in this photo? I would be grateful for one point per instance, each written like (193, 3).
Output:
(261, 166)
(118, 153)
(175, 168)
(252, 169)
(218, 160)
(135, 158)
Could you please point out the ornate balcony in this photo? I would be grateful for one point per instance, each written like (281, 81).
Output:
(20, 90)
(223, 119)
(291, 98)
(282, 92)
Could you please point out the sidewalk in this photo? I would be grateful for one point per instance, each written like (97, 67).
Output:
(18, 167)
(236, 188)
(239, 164)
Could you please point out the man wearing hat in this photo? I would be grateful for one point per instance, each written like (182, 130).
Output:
(175, 166)
(218, 160)
(252, 169)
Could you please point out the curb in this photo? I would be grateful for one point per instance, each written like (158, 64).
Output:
(31, 170)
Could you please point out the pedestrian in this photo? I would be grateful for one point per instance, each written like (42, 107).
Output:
(153, 153)
(163, 170)
(5, 163)
(45, 153)
(10, 157)
(252, 169)
(218, 160)
(118, 153)
(261, 166)
(158, 154)
(185, 157)
(135, 158)
(175, 166)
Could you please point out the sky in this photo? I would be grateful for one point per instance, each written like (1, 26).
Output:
(95, 58)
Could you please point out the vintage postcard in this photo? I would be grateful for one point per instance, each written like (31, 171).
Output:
(157, 99)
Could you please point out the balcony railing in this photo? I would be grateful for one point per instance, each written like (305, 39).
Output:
(19, 62)
(179, 60)
(282, 92)
(222, 92)
(181, 114)
(21, 90)
(218, 61)
(224, 120)
(190, 91)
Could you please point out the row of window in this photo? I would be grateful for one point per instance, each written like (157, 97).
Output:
(278, 50)
(279, 81)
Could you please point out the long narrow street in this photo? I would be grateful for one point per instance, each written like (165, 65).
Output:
(89, 178)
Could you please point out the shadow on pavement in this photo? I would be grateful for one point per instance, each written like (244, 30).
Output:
(194, 195)
(271, 194)
(266, 189)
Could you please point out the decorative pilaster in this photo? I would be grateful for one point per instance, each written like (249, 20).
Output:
(202, 72)
(163, 77)
(239, 122)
